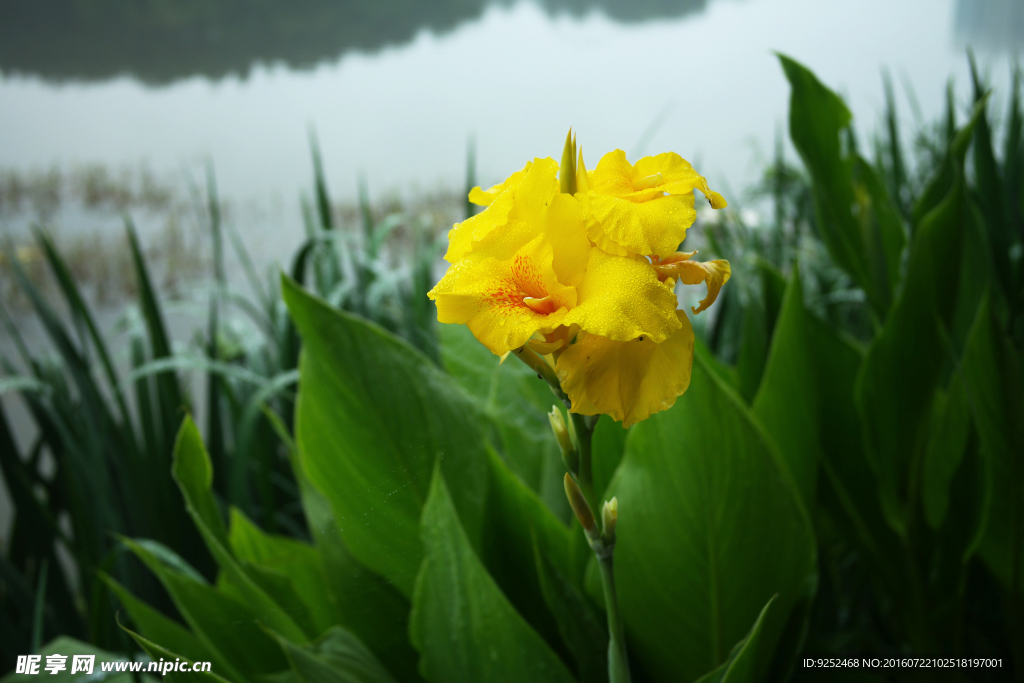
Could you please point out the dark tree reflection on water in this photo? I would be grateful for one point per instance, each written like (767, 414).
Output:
(158, 42)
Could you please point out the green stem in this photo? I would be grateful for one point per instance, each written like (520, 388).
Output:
(585, 477)
(618, 662)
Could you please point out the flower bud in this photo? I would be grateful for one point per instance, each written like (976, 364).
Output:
(569, 455)
(609, 516)
(567, 170)
(579, 505)
(582, 179)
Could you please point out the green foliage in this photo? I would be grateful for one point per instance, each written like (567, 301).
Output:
(709, 499)
(842, 476)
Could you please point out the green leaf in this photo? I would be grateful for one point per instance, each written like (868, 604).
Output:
(293, 561)
(158, 628)
(70, 647)
(947, 440)
(904, 363)
(817, 116)
(363, 602)
(516, 520)
(849, 488)
(581, 627)
(741, 666)
(157, 652)
(607, 446)
(991, 191)
(881, 230)
(270, 597)
(224, 625)
(373, 414)
(337, 657)
(753, 348)
(517, 402)
(994, 378)
(168, 389)
(787, 401)
(465, 629)
(709, 529)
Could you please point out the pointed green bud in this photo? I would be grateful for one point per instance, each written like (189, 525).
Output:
(569, 455)
(609, 516)
(567, 171)
(578, 503)
(582, 179)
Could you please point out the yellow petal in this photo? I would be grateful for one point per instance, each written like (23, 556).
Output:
(482, 197)
(505, 302)
(533, 185)
(620, 297)
(621, 226)
(714, 273)
(539, 209)
(643, 208)
(678, 176)
(628, 380)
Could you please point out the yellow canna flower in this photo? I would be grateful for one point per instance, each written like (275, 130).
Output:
(504, 302)
(644, 208)
(583, 274)
(628, 380)
(534, 270)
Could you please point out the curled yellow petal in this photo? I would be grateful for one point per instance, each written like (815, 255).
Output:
(620, 297)
(482, 197)
(628, 380)
(714, 273)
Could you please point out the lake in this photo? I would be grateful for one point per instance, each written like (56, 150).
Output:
(396, 95)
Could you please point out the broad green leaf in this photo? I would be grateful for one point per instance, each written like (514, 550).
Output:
(759, 317)
(849, 489)
(337, 657)
(723, 371)
(991, 191)
(787, 401)
(194, 475)
(270, 597)
(741, 666)
(462, 624)
(296, 562)
(904, 363)
(373, 414)
(224, 625)
(63, 645)
(581, 626)
(516, 520)
(517, 402)
(881, 231)
(607, 446)
(157, 651)
(363, 602)
(994, 379)
(816, 117)
(755, 339)
(947, 440)
(709, 529)
(160, 629)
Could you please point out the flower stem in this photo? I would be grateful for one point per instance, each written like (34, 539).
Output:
(618, 662)
(602, 543)
(584, 439)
